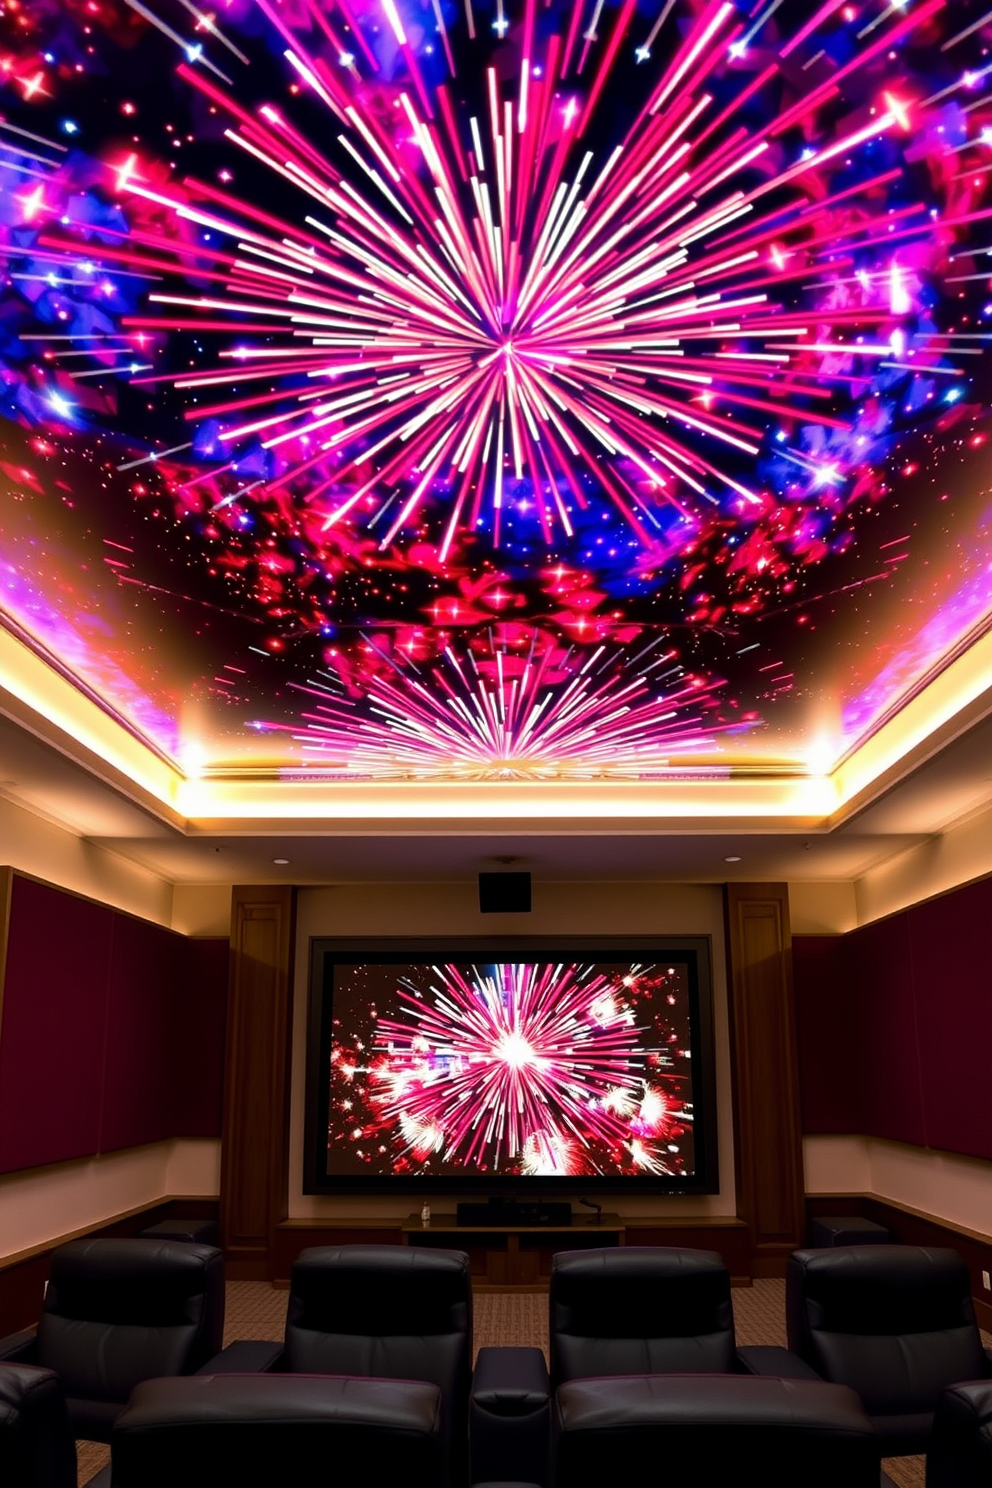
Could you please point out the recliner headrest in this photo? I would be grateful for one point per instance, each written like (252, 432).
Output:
(381, 1289)
(640, 1292)
(881, 1289)
(130, 1281)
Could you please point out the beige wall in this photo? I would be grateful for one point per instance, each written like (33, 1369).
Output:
(44, 1204)
(37, 846)
(828, 908)
(957, 1189)
(201, 909)
(955, 857)
(452, 909)
(943, 862)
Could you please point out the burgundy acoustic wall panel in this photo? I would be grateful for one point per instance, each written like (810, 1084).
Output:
(199, 1028)
(111, 1033)
(951, 952)
(54, 1026)
(827, 1035)
(879, 966)
(146, 970)
(895, 1025)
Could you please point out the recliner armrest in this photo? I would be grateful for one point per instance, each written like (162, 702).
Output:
(780, 1363)
(988, 1361)
(20, 1348)
(509, 1422)
(511, 1381)
(246, 1356)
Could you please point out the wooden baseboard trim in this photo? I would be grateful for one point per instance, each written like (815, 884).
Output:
(911, 1226)
(822, 1200)
(249, 1271)
(17, 1257)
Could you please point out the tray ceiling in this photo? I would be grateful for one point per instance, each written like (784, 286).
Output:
(429, 396)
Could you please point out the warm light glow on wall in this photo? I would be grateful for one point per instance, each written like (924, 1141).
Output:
(80, 723)
(962, 685)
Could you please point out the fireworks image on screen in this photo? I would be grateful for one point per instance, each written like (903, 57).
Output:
(534, 1069)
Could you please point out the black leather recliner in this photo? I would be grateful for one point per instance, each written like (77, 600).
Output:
(259, 1430)
(649, 1310)
(960, 1453)
(895, 1322)
(379, 1312)
(120, 1311)
(691, 1431)
(630, 1310)
(37, 1449)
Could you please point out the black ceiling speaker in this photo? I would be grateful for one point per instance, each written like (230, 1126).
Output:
(504, 893)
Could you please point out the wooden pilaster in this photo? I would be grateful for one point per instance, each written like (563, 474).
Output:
(254, 1156)
(768, 1135)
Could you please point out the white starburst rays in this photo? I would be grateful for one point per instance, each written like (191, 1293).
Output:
(515, 305)
(536, 718)
(508, 1063)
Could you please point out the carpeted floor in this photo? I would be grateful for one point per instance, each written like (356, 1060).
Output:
(256, 1310)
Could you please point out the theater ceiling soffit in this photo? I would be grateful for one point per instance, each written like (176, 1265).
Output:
(947, 790)
(521, 413)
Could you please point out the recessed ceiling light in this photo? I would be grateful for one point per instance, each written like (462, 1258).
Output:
(281, 861)
(732, 859)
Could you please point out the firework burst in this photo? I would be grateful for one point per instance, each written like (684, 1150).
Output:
(536, 1068)
(479, 288)
(494, 715)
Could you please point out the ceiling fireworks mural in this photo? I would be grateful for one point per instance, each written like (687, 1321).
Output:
(425, 389)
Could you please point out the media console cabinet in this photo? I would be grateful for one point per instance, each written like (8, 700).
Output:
(513, 1255)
